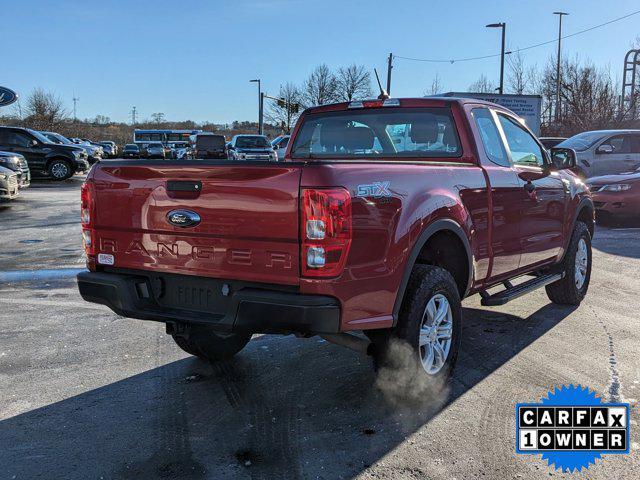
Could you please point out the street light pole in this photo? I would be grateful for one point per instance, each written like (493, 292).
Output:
(389, 68)
(260, 102)
(503, 26)
(558, 110)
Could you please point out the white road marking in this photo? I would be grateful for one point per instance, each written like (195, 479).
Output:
(53, 303)
(44, 274)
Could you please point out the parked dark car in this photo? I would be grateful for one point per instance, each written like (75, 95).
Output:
(43, 156)
(8, 184)
(251, 147)
(210, 146)
(18, 164)
(93, 153)
(550, 142)
(131, 150)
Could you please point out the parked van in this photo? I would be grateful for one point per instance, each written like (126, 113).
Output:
(209, 146)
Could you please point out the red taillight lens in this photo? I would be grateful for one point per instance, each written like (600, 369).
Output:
(87, 214)
(325, 231)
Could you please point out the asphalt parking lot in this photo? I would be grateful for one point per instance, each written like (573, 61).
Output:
(87, 394)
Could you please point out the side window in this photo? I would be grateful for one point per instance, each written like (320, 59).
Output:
(619, 144)
(283, 143)
(524, 149)
(634, 144)
(15, 139)
(490, 136)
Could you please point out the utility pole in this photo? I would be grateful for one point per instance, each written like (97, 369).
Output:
(503, 26)
(75, 101)
(389, 68)
(558, 107)
(133, 116)
(261, 115)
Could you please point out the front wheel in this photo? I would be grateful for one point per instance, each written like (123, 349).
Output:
(576, 266)
(423, 350)
(60, 170)
(210, 345)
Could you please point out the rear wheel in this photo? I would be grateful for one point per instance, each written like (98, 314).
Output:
(423, 349)
(576, 266)
(210, 345)
(60, 169)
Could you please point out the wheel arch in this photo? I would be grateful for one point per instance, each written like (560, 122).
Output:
(585, 212)
(433, 236)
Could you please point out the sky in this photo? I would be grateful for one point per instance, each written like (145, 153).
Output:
(193, 59)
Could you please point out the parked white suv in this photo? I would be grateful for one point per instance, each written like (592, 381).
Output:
(605, 152)
(279, 144)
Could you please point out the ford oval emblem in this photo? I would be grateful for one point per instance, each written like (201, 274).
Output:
(183, 218)
(7, 96)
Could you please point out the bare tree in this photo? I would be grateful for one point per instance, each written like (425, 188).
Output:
(482, 85)
(44, 110)
(589, 98)
(436, 86)
(320, 88)
(284, 113)
(519, 79)
(157, 117)
(353, 83)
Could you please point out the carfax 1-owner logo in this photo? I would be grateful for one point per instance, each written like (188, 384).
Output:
(572, 427)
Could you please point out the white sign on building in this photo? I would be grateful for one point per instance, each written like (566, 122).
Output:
(527, 107)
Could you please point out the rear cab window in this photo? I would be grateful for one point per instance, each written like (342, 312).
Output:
(387, 132)
(490, 136)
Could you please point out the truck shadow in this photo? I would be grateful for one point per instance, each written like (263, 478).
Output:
(284, 408)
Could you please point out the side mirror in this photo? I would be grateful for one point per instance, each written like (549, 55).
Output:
(562, 158)
(605, 149)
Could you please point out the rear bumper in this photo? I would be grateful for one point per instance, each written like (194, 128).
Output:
(230, 305)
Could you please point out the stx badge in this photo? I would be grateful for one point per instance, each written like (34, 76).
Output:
(375, 190)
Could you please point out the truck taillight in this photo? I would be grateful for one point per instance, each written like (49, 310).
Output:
(325, 231)
(87, 218)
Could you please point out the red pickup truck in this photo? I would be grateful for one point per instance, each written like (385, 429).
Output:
(382, 216)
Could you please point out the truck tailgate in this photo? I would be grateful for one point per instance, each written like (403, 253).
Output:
(248, 226)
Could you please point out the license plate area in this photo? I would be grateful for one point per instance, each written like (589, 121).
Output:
(196, 295)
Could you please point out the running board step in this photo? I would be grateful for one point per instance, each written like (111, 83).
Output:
(512, 292)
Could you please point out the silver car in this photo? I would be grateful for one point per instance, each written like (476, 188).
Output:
(8, 184)
(605, 152)
(155, 150)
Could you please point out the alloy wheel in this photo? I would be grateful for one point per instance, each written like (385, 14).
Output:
(581, 262)
(435, 334)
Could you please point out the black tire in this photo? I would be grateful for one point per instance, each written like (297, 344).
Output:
(569, 290)
(401, 354)
(60, 169)
(210, 345)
